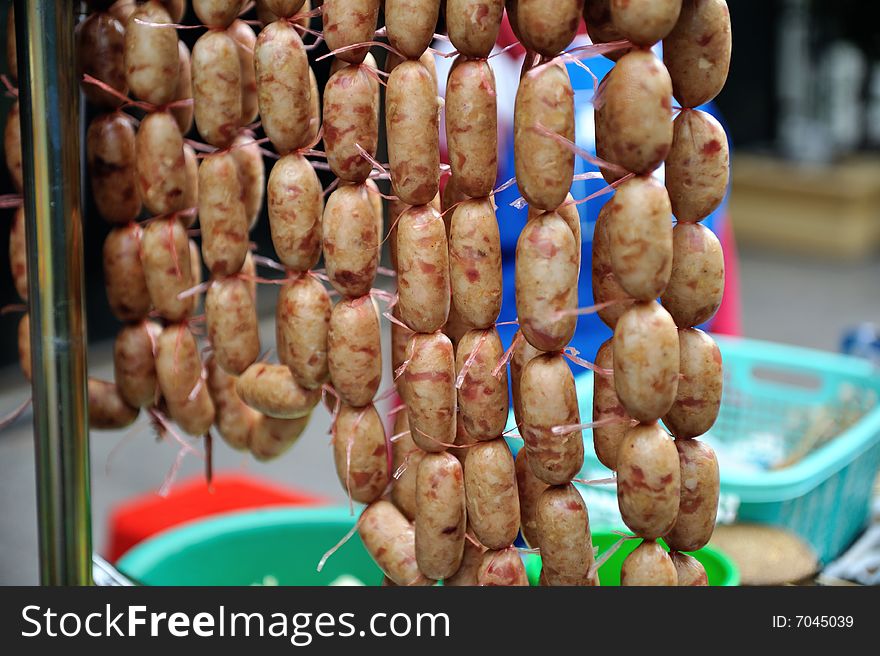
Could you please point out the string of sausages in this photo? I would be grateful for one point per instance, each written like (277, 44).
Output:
(17, 245)
(547, 272)
(138, 167)
(432, 493)
(663, 367)
(156, 268)
(445, 499)
(352, 230)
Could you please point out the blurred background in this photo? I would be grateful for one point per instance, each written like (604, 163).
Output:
(801, 231)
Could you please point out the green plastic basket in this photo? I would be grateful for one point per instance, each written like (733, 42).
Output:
(825, 497)
(283, 546)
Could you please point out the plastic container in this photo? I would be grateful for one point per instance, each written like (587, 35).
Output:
(283, 547)
(825, 496)
(258, 547)
(137, 519)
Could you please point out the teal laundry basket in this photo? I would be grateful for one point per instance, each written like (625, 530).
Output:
(825, 496)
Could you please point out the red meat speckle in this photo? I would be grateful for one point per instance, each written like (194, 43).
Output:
(712, 147)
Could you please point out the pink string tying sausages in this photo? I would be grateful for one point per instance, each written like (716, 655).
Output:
(502, 363)
(592, 309)
(13, 307)
(163, 428)
(11, 89)
(15, 413)
(609, 552)
(339, 544)
(130, 102)
(356, 46)
(9, 201)
(599, 423)
(573, 354)
(468, 363)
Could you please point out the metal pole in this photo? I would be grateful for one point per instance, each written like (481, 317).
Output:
(50, 135)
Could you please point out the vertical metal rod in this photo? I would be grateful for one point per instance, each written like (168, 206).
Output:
(50, 135)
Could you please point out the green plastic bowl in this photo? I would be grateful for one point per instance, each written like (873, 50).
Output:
(279, 546)
(283, 547)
